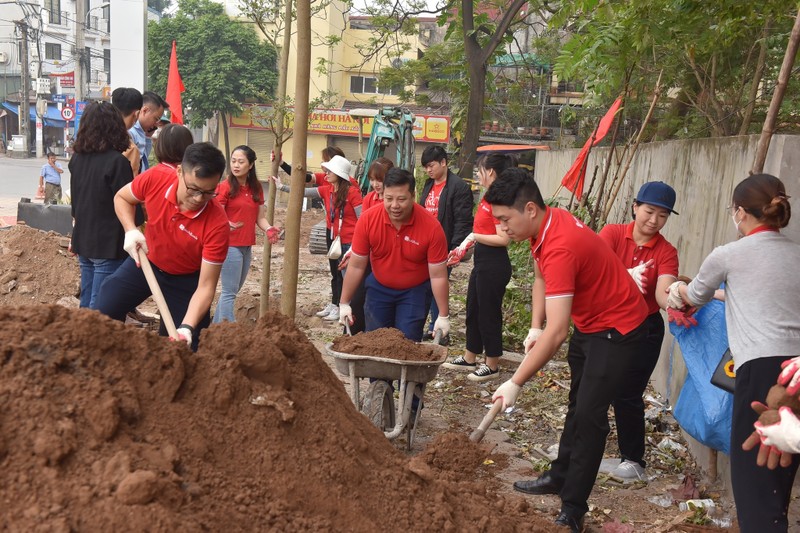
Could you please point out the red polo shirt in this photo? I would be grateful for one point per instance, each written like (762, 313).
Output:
(620, 238)
(575, 262)
(241, 208)
(485, 223)
(332, 215)
(400, 258)
(179, 242)
(371, 200)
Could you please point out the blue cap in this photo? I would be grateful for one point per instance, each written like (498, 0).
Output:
(657, 193)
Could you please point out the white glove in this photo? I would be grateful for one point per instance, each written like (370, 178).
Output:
(134, 241)
(345, 314)
(790, 376)
(639, 274)
(185, 334)
(344, 260)
(467, 242)
(674, 298)
(785, 435)
(507, 393)
(442, 324)
(530, 340)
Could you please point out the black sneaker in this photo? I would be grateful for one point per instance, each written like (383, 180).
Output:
(484, 373)
(459, 363)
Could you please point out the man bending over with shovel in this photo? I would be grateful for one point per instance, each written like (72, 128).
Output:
(578, 277)
(187, 240)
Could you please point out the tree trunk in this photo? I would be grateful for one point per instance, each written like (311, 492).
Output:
(294, 210)
(277, 149)
(227, 140)
(777, 97)
(472, 131)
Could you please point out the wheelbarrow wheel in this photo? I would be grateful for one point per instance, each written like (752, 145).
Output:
(379, 405)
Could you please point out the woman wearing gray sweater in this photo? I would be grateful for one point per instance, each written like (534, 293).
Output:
(762, 312)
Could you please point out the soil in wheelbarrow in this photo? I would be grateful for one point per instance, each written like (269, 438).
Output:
(111, 428)
(385, 342)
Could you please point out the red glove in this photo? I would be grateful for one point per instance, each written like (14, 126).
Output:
(682, 317)
(272, 234)
(790, 375)
(457, 254)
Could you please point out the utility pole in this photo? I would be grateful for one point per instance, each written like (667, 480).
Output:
(24, 101)
(80, 44)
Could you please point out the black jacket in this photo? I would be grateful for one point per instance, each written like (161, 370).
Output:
(455, 208)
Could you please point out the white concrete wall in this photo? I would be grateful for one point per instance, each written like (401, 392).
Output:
(703, 172)
(129, 44)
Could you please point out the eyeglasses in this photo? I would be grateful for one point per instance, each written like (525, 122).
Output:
(196, 193)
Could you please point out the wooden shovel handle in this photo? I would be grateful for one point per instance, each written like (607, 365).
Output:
(158, 296)
(480, 431)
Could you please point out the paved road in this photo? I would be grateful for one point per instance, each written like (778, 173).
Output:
(19, 179)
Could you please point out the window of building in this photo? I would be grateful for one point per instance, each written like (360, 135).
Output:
(53, 8)
(87, 61)
(52, 51)
(368, 85)
(107, 61)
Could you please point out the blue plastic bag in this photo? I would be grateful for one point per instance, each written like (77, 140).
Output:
(703, 410)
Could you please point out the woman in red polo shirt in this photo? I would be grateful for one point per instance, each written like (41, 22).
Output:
(377, 171)
(242, 198)
(653, 263)
(343, 204)
(488, 280)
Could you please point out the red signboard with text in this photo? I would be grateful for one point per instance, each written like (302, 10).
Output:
(427, 128)
(67, 79)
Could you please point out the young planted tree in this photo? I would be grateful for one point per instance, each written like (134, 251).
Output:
(222, 62)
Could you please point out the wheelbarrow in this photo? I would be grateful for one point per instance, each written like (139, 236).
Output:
(378, 404)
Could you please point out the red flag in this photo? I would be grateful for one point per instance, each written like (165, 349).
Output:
(175, 88)
(576, 175)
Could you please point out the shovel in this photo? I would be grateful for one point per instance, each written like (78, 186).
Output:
(480, 431)
(158, 296)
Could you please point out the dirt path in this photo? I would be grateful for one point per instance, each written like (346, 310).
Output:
(522, 440)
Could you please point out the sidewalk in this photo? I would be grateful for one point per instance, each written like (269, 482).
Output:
(19, 178)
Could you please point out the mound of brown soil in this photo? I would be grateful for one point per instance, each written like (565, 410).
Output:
(108, 428)
(35, 267)
(385, 342)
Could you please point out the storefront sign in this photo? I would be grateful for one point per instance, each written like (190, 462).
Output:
(427, 128)
(67, 79)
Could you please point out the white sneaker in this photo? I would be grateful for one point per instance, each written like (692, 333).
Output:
(326, 311)
(629, 471)
(333, 316)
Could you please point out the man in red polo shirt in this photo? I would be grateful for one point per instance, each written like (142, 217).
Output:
(407, 250)
(187, 240)
(583, 280)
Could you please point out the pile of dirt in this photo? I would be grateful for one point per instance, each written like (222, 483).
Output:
(105, 427)
(35, 267)
(386, 342)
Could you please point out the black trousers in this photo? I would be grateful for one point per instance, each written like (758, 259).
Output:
(336, 276)
(599, 365)
(357, 304)
(126, 288)
(629, 405)
(487, 286)
(761, 495)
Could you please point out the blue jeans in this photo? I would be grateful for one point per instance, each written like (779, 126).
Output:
(404, 309)
(93, 274)
(234, 272)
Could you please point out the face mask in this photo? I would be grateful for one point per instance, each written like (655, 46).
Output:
(736, 223)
